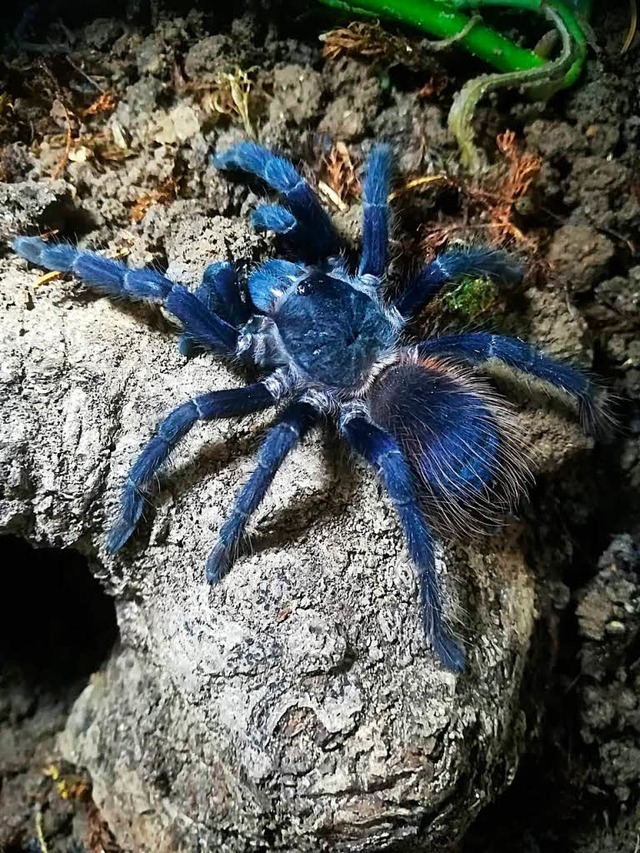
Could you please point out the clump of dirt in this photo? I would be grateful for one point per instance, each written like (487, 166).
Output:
(106, 125)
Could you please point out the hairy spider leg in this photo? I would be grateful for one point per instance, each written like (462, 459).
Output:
(201, 325)
(290, 428)
(105, 274)
(218, 404)
(116, 279)
(219, 292)
(303, 222)
(271, 280)
(275, 217)
(385, 456)
(454, 264)
(375, 224)
(478, 347)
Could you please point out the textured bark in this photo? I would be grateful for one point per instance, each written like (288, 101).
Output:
(296, 705)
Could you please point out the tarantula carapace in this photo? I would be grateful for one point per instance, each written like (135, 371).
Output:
(329, 342)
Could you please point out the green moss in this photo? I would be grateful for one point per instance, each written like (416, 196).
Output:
(470, 298)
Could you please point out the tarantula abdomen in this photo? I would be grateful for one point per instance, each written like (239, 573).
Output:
(461, 438)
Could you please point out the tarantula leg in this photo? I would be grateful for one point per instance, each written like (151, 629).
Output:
(219, 292)
(218, 404)
(291, 427)
(271, 280)
(105, 274)
(386, 457)
(276, 218)
(320, 240)
(116, 279)
(452, 265)
(375, 226)
(478, 347)
(201, 325)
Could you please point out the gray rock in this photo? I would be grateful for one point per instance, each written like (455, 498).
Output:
(296, 705)
(297, 92)
(25, 204)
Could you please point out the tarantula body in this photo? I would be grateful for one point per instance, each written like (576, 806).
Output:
(329, 342)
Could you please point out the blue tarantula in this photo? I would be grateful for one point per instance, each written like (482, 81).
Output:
(443, 444)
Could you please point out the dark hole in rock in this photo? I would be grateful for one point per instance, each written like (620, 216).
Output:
(56, 625)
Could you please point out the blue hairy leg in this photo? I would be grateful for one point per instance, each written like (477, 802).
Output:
(200, 324)
(271, 280)
(219, 292)
(291, 427)
(375, 226)
(385, 456)
(478, 347)
(116, 279)
(105, 274)
(273, 217)
(307, 225)
(218, 404)
(452, 265)
(276, 218)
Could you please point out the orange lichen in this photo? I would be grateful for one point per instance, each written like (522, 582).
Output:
(104, 103)
(164, 193)
(76, 787)
(69, 785)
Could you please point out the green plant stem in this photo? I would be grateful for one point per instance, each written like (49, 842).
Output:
(540, 82)
(520, 68)
(583, 8)
(555, 11)
(443, 20)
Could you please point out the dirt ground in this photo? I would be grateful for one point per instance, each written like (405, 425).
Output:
(113, 108)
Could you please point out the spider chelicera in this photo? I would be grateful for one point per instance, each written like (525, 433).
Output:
(329, 342)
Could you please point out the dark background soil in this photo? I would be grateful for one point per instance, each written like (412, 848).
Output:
(578, 785)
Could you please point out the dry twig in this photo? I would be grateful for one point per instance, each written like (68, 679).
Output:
(633, 27)
(415, 183)
(339, 180)
(68, 138)
(368, 39)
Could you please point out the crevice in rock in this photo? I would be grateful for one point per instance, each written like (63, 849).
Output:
(57, 627)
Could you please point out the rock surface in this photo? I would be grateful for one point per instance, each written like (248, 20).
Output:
(295, 706)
